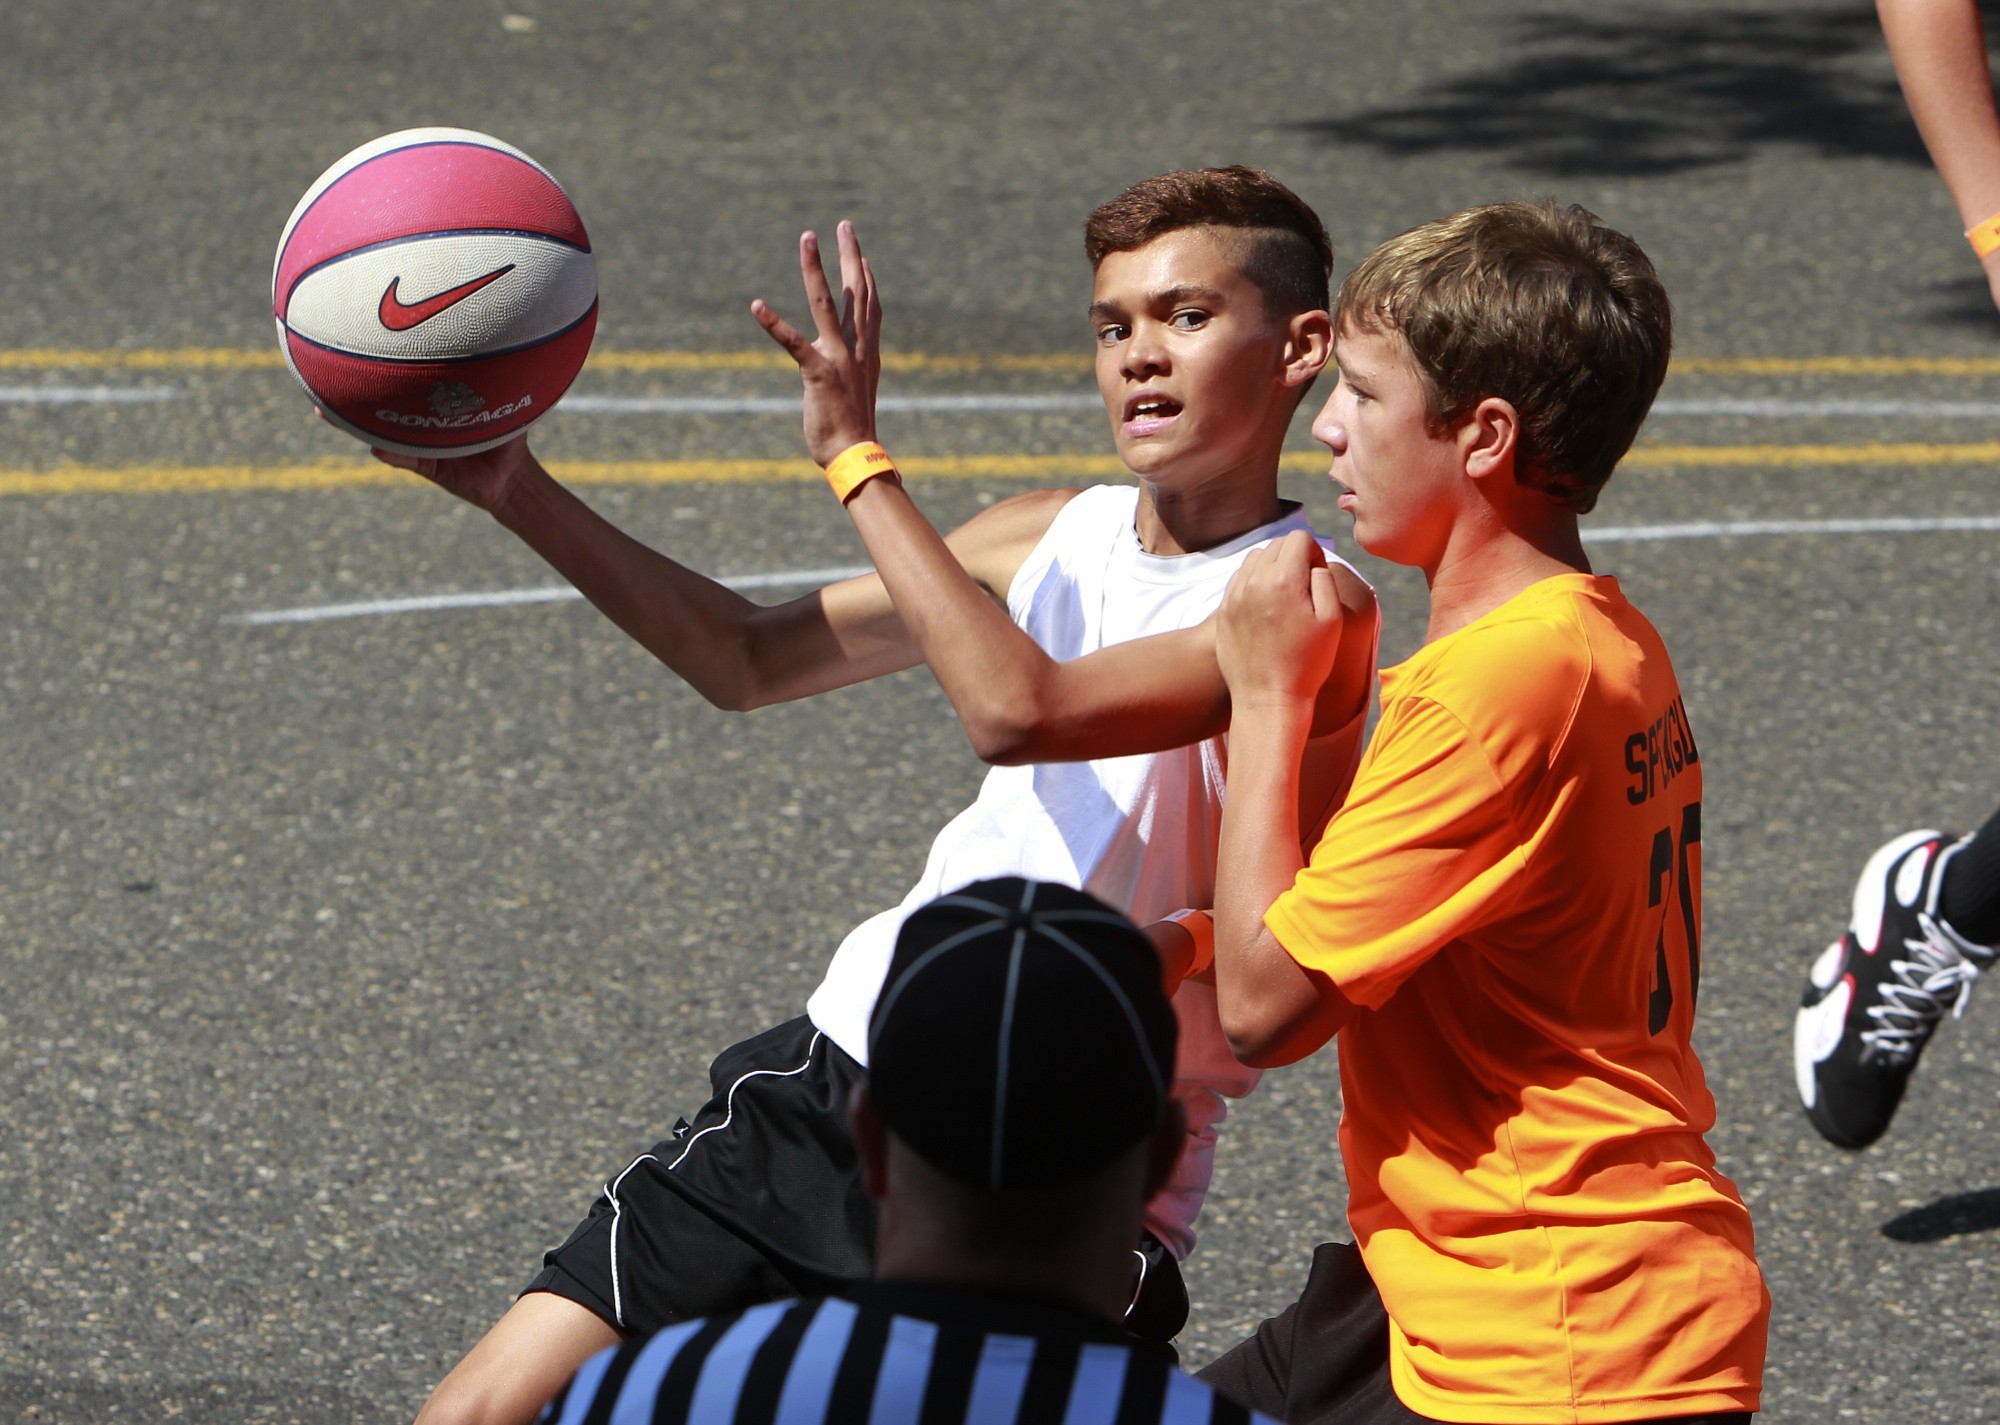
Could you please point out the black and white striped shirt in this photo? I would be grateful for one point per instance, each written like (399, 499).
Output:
(893, 1354)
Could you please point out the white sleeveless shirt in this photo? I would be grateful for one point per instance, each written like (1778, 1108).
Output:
(1139, 833)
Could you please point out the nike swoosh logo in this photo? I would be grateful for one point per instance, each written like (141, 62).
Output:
(398, 316)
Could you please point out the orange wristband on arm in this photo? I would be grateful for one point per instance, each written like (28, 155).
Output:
(1985, 237)
(856, 466)
(1200, 926)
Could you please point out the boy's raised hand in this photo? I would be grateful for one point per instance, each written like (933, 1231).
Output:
(1279, 627)
(842, 365)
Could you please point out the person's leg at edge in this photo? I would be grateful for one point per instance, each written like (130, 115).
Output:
(520, 1364)
(1925, 922)
(1969, 899)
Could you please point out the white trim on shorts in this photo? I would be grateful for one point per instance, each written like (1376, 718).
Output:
(729, 1113)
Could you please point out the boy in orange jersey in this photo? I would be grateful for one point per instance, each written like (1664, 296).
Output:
(1501, 924)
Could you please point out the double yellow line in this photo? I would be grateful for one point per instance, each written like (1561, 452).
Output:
(1047, 469)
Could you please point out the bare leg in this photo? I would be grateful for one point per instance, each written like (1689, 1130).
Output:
(520, 1364)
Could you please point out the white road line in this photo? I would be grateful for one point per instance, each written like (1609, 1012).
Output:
(500, 598)
(1778, 410)
(789, 406)
(85, 395)
(1745, 529)
(796, 578)
(1033, 401)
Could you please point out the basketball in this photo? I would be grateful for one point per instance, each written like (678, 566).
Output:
(435, 292)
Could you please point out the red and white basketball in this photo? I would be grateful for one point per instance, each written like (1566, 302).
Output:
(435, 292)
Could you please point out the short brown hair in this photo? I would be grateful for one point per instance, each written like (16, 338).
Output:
(1288, 255)
(1538, 304)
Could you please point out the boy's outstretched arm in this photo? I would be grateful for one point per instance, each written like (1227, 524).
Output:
(1279, 634)
(737, 654)
(1017, 703)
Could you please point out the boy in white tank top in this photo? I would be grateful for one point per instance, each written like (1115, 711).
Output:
(1070, 629)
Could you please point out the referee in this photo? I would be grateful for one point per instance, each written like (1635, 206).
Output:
(1013, 1123)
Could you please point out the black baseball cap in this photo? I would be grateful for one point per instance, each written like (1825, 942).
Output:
(1022, 1038)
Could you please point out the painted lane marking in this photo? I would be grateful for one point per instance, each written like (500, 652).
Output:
(1086, 401)
(1750, 529)
(255, 359)
(346, 475)
(501, 598)
(1886, 453)
(1785, 410)
(199, 358)
(1836, 366)
(790, 406)
(1610, 534)
(577, 404)
(86, 395)
(185, 358)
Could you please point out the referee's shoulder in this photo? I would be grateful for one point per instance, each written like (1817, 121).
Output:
(845, 1354)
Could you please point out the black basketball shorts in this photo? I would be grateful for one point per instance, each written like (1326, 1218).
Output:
(759, 1198)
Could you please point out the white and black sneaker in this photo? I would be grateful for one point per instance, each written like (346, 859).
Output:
(1875, 996)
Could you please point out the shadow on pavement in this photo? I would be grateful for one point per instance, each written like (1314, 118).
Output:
(1952, 1216)
(1686, 87)
(34, 1399)
(1965, 302)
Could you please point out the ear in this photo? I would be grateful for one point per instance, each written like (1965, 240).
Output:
(1308, 347)
(871, 1141)
(1164, 1150)
(1488, 438)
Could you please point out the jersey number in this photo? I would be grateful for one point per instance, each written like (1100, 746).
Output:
(1671, 860)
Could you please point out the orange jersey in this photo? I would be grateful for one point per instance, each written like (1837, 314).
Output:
(1511, 899)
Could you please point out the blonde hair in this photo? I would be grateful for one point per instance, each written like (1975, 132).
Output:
(1540, 305)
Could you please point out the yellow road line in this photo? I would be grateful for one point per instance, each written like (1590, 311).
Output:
(347, 475)
(184, 479)
(191, 358)
(1836, 366)
(1696, 457)
(196, 358)
(343, 475)
(244, 359)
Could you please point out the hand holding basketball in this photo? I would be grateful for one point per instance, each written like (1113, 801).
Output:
(843, 364)
(1279, 626)
(485, 479)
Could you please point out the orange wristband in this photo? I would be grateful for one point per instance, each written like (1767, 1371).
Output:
(1985, 237)
(856, 466)
(1200, 926)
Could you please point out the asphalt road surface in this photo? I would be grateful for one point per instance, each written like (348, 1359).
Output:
(342, 956)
